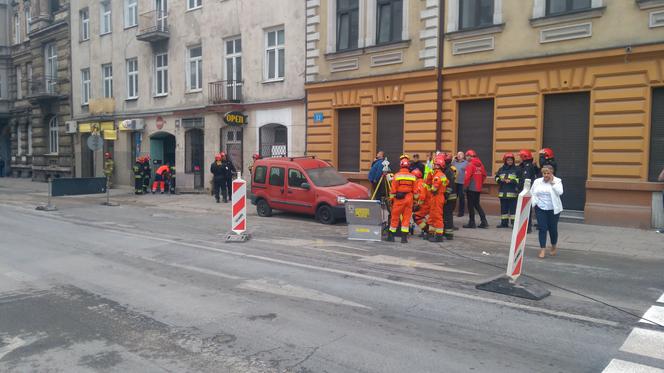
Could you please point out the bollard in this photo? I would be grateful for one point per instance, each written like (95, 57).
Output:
(48, 206)
(509, 283)
(239, 211)
(108, 194)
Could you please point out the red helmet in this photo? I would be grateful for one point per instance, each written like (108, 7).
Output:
(525, 155)
(222, 154)
(417, 173)
(107, 155)
(508, 155)
(218, 157)
(548, 153)
(256, 156)
(404, 163)
(147, 157)
(439, 161)
(471, 153)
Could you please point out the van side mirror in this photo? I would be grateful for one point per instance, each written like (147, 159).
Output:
(305, 186)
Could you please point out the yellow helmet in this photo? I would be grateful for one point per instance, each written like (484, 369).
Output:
(404, 155)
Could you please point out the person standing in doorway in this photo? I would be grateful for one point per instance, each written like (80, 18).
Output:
(474, 179)
(546, 193)
(229, 175)
(460, 163)
(2, 167)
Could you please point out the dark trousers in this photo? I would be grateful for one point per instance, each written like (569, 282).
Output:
(462, 200)
(547, 221)
(2, 171)
(218, 185)
(448, 217)
(474, 204)
(227, 189)
(507, 210)
(138, 184)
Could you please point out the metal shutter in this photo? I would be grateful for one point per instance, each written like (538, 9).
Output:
(348, 140)
(476, 129)
(566, 123)
(390, 133)
(656, 135)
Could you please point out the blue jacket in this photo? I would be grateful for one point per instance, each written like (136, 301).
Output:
(376, 171)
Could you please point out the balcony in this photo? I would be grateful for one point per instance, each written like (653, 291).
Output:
(153, 26)
(225, 92)
(43, 88)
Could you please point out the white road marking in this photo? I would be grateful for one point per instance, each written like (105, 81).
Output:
(661, 299)
(382, 280)
(645, 342)
(622, 366)
(655, 314)
(396, 261)
(287, 290)
(12, 344)
(187, 267)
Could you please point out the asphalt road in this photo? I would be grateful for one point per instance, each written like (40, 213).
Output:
(150, 287)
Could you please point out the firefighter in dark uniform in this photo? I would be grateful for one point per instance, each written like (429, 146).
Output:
(171, 180)
(529, 171)
(546, 158)
(147, 174)
(450, 197)
(138, 175)
(508, 178)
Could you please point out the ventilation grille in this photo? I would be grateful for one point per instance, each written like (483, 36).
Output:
(472, 46)
(345, 65)
(387, 58)
(657, 19)
(569, 32)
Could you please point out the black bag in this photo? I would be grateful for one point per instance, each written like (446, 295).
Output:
(401, 195)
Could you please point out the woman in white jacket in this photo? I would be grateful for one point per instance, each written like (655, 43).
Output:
(546, 193)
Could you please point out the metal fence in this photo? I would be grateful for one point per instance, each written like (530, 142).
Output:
(225, 91)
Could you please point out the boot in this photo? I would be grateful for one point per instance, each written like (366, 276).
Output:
(484, 224)
(404, 238)
(503, 224)
(471, 224)
(438, 237)
(390, 236)
(449, 236)
(425, 236)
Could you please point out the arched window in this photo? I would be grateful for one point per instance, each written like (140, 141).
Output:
(274, 140)
(53, 138)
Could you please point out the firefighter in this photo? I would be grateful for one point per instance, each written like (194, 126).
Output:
(171, 180)
(229, 175)
(109, 165)
(546, 157)
(529, 171)
(254, 158)
(473, 181)
(160, 177)
(421, 203)
(439, 184)
(147, 174)
(138, 175)
(508, 179)
(450, 197)
(402, 206)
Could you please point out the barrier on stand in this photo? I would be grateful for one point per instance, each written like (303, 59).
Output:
(365, 219)
(239, 212)
(509, 283)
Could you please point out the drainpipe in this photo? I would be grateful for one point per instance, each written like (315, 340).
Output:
(439, 103)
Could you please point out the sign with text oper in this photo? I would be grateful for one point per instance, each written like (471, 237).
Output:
(235, 118)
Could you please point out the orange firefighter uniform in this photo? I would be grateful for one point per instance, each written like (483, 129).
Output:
(159, 177)
(438, 187)
(422, 201)
(401, 192)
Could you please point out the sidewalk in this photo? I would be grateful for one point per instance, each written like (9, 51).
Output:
(582, 237)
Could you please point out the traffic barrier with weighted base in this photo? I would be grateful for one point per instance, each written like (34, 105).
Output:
(510, 284)
(239, 213)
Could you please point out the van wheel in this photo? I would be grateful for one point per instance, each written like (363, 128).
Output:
(263, 209)
(325, 215)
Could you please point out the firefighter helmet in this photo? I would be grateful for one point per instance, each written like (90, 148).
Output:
(107, 155)
(471, 153)
(439, 161)
(525, 155)
(508, 155)
(404, 163)
(417, 173)
(548, 153)
(218, 157)
(404, 155)
(256, 156)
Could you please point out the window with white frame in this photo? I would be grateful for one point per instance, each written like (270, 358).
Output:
(275, 58)
(347, 24)
(234, 69)
(19, 139)
(53, 136)
(85, 86)
(105, 18)
(195, 68)
(19, 83)
(194, 4)
(161, 74)
(132, 78)
(17, 29)
(28, 18)
(85, 24)
(475, 13)
(29, 134)
(390, 21)
(107, 79)
(130, 13)
(51, 68)
(556, 7)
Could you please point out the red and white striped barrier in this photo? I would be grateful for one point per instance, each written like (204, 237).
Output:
(519, 232)
(239, 215)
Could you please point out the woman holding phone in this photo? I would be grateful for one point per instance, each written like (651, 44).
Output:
(546, 192)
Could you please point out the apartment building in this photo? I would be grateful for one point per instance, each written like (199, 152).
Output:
(372, 81)
(583, 77)
(5, 66)
(37, 87)
(183, 80)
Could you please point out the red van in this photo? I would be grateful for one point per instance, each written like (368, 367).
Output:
(304, 185)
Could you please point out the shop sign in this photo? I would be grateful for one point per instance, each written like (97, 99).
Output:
(132, 125)
(110, 135)
(235, 118)
(107, 126)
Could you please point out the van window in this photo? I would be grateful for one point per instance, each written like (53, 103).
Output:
(277, 176)
(259, 174)
(295, 178)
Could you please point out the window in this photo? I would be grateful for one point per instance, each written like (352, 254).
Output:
(85, 24)
(161, 74)
(54, 6)
(19, 140)
(29, 138)
(194, 4)
(234, 69)
(131, 13)
(195, 69)
(51, 68)
(475, 13)
(277, 176)
(28, 73)
(275, 55)
(105, 18)
(53, 138)
(390, 20)
(85, 86)
(555, 7)
(107, 77)
(347, 24)
(28, 18)
(656, 163)
(295, 178)
(259, 174)
(17, 29)
(132, 78)
(348, 138)
(19, 83)
(193, 145)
